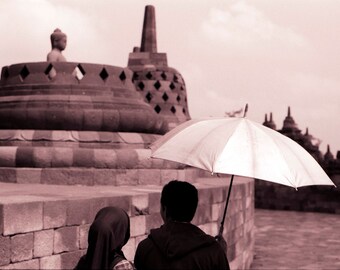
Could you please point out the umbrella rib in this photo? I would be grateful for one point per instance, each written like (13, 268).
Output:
(283, 157)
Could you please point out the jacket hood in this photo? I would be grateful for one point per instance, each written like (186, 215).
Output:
(176, 239)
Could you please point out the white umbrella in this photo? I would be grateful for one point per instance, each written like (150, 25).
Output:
(239, 146)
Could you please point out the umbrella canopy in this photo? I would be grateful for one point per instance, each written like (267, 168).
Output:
(239, 146)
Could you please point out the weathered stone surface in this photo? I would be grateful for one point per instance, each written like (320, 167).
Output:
(83, 157)
(62, 157)
(8, 175)
(153, 221)
(140, 204)
(55, 213)
(210, 228)
(22, 217)
(31, 264)
(126, 158)
(129, 249)
(154, 202)
(168, 175)
(5, 250)
(51, 262)
(127, 177)
(123, 202)
(83, 236)
(104, 158)
(7, 156)
(43, 243)
(28, 176)
(217, 211)
(78, 212)
(62, 176)
(104, 177)
(66, 239)
(149, 177)
(203, 214)
(69, 260)
(138, 226)
(21, 247)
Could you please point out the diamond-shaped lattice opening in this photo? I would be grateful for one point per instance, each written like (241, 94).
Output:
(172, 86)
(148, 75)
(185, 99)
(24, 72)
(148, 96)
(157, 109)
(50, 72)
(103, 74)
(175, 78)
(163, 75)
(184, 111)
(178, 98)
(182, 88)
(157, 85)
(122, 76)
(135, 76)
(141, 86)
(79, 72)
(5, 73)
(173, 109)
(165, 97)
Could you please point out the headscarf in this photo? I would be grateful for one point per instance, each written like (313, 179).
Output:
(108, 233)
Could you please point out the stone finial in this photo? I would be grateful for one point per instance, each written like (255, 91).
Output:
(58, 42)
(289, 122)
(265, 120)
(149, 39)
(269, 123)
(328, 156)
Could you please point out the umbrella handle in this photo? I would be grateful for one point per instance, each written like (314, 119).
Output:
(226, 206)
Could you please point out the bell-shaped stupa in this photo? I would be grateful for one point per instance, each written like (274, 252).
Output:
(68, 122)
(161, 86)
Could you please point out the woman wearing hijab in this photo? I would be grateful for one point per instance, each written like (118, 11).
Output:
(108, 233)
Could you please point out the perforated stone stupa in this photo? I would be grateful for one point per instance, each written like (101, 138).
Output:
(68, 122)
(161, 86)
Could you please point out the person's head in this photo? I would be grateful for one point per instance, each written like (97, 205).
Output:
(108, 233)
(58, 40)
(179, 201)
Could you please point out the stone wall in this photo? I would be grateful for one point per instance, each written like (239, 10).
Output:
(46, 226)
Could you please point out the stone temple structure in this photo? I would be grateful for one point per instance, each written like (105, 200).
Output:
(161, 86)
(313, 198)
(74, 138)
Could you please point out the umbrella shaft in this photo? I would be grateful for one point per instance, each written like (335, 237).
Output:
(226, 205)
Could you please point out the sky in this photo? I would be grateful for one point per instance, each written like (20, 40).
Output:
(270, 54)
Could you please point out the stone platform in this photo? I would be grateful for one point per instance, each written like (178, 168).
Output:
(46, 226)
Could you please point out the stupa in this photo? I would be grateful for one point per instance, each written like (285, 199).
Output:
(161, 86)
(71, 118)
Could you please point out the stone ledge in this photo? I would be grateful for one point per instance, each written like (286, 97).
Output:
(100, 176)
(61, 237)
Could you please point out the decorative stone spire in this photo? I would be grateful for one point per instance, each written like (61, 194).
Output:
(265, 120)
(161, 86)
(149, 39)
(269, 123)
(328, 156)
(289, 123)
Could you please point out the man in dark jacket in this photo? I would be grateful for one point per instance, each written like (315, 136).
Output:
(178, 244)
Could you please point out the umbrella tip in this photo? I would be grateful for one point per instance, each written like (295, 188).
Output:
(245, 110)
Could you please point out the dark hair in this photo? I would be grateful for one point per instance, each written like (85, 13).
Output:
(180, 199)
